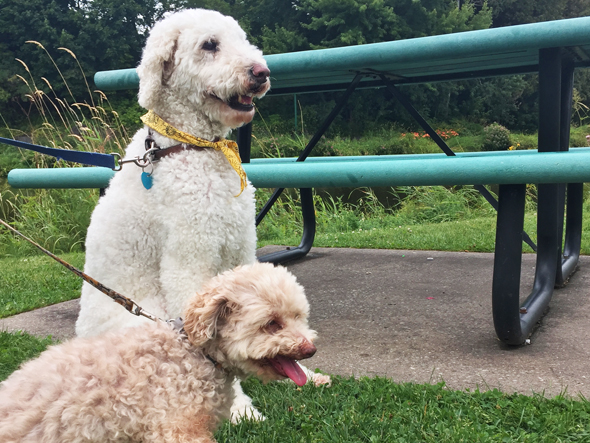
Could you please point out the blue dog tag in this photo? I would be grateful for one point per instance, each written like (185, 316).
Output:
(146, 180)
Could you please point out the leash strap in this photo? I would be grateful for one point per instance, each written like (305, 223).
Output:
(86, 158)
(126, 302)
(131, 306)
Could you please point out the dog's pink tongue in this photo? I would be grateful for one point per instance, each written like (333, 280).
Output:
(290, 368)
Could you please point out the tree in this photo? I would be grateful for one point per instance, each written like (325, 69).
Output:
(332, 23)
(52, 23)
(516, 12)
(351, 22)
(109, 34)
(96, 35)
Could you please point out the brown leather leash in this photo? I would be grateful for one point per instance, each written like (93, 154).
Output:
(126, 302)
(131, 306)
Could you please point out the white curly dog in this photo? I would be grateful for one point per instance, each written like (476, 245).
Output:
(156, 384)
(198, 75)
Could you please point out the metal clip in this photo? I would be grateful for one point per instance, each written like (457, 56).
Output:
(142, 162)
(118, 160)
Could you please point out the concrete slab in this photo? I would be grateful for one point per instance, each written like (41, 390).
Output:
(58, 320)
(419, 316)
(426, 316)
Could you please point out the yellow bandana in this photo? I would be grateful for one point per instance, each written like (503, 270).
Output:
(228, 147)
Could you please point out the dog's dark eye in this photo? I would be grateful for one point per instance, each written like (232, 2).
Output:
(210, 45)
(273, 326)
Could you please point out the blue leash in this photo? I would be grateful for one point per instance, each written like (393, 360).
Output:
(86, 158)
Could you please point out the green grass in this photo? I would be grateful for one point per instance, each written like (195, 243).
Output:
(363, 410)
(380, 410)
(18, 347)
(34, 281)
(472, 235)
(476, 235)
(426, 218)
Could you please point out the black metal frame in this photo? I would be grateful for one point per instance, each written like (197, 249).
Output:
(442, 145)
(513, 322)
(307, 206)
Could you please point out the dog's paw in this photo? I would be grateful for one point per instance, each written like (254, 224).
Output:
(317, 378)
(242, 407)
(245, 412)
(321, 379)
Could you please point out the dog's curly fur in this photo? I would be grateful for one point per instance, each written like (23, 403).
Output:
(199, 73)
(159, 246)
(152, 384)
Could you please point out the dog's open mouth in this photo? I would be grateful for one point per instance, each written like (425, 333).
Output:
(288, 367)
(239, 102)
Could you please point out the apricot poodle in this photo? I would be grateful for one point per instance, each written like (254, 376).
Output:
(157, 383)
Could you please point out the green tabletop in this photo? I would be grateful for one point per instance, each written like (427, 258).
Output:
(487, 52)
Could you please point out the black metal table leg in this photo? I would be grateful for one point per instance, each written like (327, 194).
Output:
(308, 212)
(513, 323)
(568, 260)
(307, 206)
(573, 232)
(548, 245)
(244, 140)
(507, 263)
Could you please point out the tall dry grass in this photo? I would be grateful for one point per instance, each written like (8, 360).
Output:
(57, 218)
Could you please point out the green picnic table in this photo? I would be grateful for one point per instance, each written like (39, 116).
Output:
(552, 49)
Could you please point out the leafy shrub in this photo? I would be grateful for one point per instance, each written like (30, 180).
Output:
(496, 138)
(578, 136)
(524, 141)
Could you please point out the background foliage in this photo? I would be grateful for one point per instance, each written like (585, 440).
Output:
(109, 34)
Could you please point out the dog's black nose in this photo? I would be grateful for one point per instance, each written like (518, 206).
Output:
(259, 72)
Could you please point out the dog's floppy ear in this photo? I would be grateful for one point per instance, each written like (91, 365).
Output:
(156, 63)
(203, 315)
